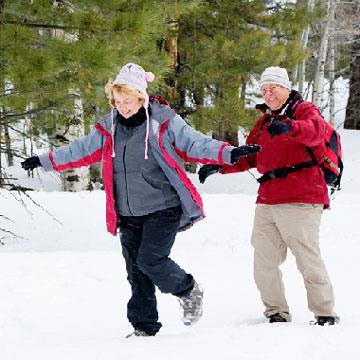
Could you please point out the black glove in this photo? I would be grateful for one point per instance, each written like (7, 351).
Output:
(278, 127)
(31, 163)
(244, 150)
(207, 170)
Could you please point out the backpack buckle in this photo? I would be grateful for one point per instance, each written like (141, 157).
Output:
(279, 173)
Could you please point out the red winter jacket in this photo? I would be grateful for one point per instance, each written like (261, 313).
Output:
(303, 186)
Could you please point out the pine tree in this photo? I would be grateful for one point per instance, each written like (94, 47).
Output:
(222, 46)
(56, 52)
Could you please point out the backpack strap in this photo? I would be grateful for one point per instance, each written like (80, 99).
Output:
(283, 172)
(287, 112)
(336, 185)
(280, 173)
(292, 106)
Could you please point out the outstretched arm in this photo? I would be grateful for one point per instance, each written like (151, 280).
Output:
(194, 146)
(84, 151)
(309, 128)
(242, 163)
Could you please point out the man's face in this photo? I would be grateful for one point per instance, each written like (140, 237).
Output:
(275, 96)
(126, 105)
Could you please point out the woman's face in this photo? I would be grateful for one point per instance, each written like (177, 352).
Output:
(127, 105)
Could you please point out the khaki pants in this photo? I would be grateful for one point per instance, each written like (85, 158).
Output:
(293, 226)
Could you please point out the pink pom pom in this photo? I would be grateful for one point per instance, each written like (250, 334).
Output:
(149, 76)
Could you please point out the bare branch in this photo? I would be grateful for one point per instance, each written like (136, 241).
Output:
(41, 207)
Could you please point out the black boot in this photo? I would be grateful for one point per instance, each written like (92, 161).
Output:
(137, 332)
(276, 318)
(325, 320)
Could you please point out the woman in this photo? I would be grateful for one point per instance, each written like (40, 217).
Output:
(149, 198)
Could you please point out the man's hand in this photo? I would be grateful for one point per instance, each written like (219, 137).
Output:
(278, 127)
(242, 151)
(31, 163)
(207, 170)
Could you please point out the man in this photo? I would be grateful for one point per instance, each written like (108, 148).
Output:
(291, 197)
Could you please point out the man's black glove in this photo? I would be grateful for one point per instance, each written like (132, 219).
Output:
(244, 150)
(278, 127)
(31, 163)
(207, 170)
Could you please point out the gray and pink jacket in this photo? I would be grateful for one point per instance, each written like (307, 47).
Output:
(171, 140)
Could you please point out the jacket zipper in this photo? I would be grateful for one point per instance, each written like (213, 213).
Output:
(126, 187)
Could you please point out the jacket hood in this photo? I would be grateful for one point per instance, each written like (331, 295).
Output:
(160, 109)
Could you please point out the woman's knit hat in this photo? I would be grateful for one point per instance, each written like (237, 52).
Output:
(275, 75)
(137, 78)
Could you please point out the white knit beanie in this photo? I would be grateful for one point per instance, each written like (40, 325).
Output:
(275, 75)
(137, 78)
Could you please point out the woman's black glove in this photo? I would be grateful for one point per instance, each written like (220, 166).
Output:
(242, 151)
(207, 170)
(31, 163)
(278, 127)
(235, 155)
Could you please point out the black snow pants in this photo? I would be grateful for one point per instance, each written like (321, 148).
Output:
(146, 244)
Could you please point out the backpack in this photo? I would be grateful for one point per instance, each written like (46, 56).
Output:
(331, 164)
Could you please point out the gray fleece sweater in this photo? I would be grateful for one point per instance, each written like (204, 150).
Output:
(140, 186)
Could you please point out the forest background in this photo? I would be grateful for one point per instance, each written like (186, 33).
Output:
(56, 57)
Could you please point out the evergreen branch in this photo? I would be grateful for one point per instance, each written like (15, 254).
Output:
(353, 3)
(10, 151)
(187, 112)
(51, 106)
(61, 27)
(38, 137)
(8, 93)
(342, 71)
(275, 7)
(47, 77)
(38, 25)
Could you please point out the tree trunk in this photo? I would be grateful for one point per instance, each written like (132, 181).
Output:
(332, 70)
(223, 134)
(305, 39)
(171, 46)
(1, 172)
(75, 179)
(352, 118)
(318, 89)
(242, 91)
(25, 127)
(9, 154)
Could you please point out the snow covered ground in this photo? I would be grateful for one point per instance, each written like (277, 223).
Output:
(64, 289)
